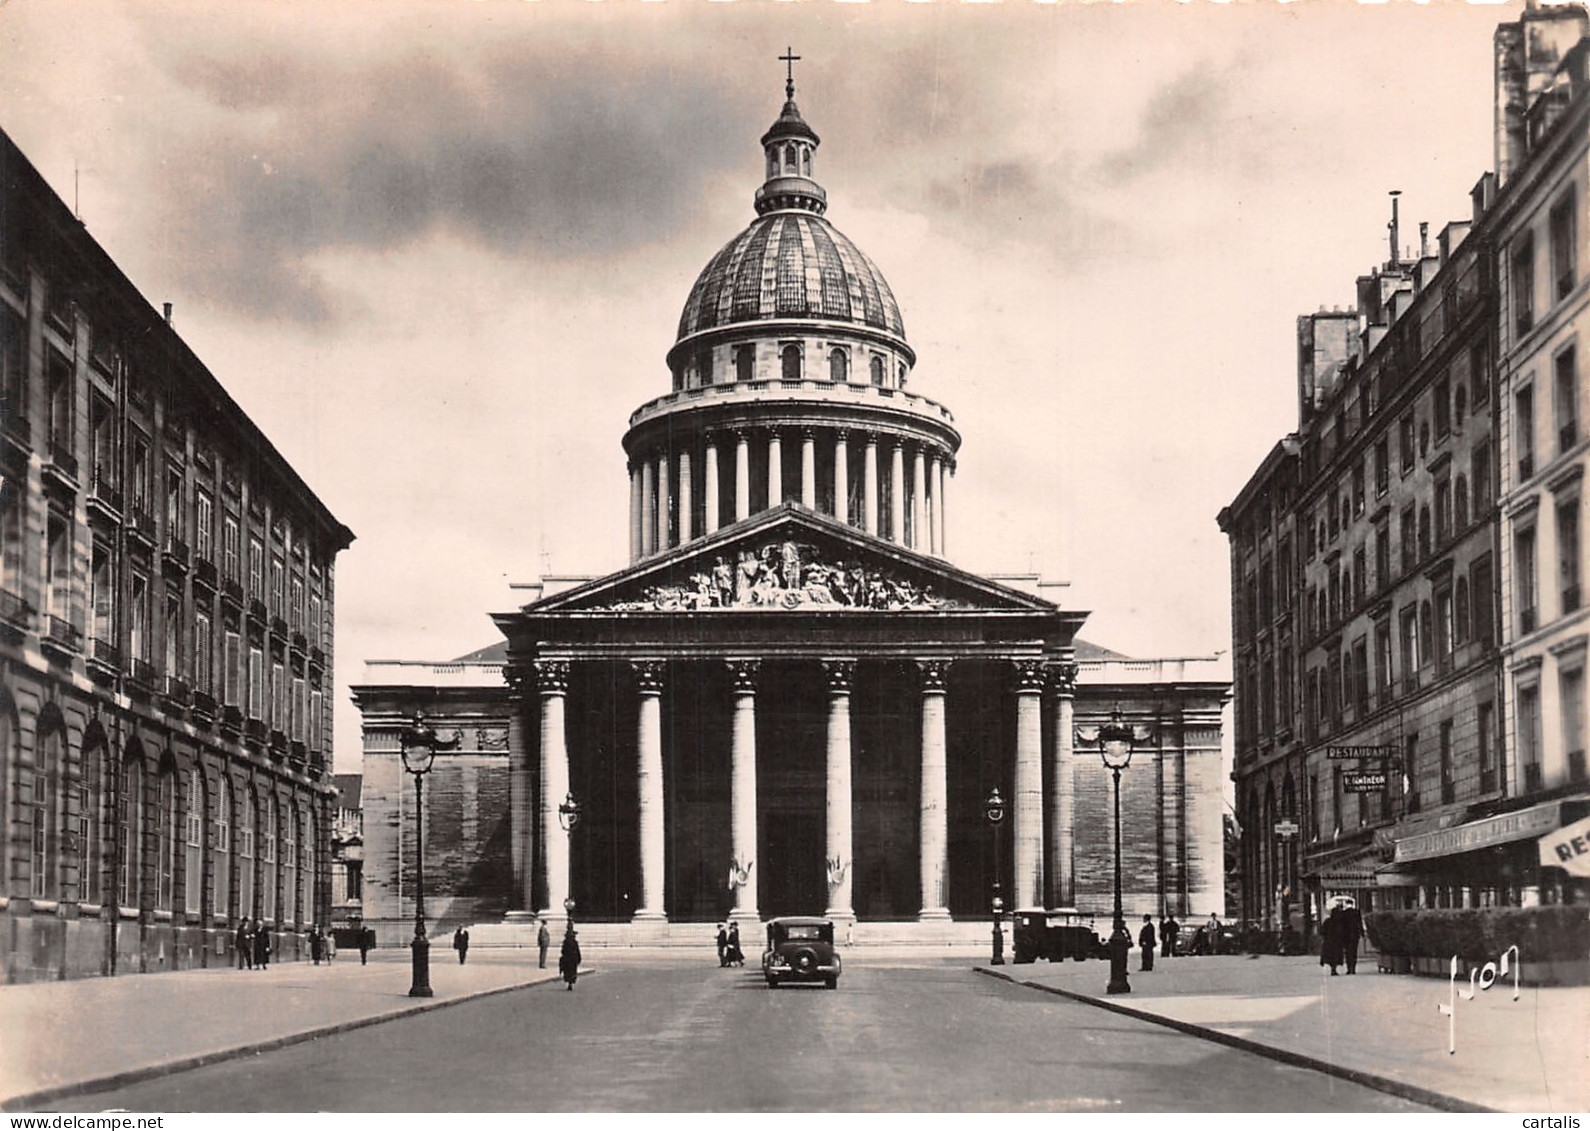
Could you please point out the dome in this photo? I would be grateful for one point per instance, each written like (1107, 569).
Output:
(790, 265)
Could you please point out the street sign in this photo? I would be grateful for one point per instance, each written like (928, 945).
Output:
(1373, 781)
(1340, 753)
(1286, 827)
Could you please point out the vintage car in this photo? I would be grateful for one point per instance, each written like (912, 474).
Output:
(1056, 935)
(800, 950)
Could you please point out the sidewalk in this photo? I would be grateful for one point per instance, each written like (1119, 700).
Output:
(59, 1036)
(1529, 1055)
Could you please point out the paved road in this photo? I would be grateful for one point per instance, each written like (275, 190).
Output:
(693, 1037)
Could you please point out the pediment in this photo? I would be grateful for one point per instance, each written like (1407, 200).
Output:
(791, 560)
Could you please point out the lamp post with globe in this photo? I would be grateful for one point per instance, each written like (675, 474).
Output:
(994, 809)
(419, 745)
(569, 819)
(1115, 747)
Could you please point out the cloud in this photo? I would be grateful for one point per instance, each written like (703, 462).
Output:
(1184, 122)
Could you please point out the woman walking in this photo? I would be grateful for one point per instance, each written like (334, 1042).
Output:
(569, 959)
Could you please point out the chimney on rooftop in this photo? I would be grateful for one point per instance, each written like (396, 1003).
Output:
(1394, 232)
(1527, 54)
(168, 313)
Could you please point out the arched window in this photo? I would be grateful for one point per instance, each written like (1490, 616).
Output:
(790, 362)
(876, 366)
(168, 830)
(806, 161)
(790, 159)
(130, 827)
(246, 812)
(772, 163)
(267, 858)
(1461, 600)
(838, 366)
(221, 842)
(744, 362)
(1460, 503)
(44, 831)
(901, 375)
(193, 857)
(290, 835)
(704, 367)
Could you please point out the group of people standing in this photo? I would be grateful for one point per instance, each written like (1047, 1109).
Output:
(729, 952)
(1339, 937)
(253, 945)
(1167, 938)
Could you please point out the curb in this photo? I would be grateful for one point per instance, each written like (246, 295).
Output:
(30, 1101)
(1399, 1088)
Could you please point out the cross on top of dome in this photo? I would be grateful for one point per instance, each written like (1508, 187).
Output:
(790, 58)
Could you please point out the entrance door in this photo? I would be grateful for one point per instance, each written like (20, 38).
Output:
(794, 877)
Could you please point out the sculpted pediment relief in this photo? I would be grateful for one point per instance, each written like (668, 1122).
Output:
(784, 574)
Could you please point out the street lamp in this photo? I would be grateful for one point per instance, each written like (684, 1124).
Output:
(419, 745)
(1115, 747)
(994, 809)
(569, 819)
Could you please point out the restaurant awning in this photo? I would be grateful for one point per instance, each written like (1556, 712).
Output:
(1504, 828)
(1352, 870)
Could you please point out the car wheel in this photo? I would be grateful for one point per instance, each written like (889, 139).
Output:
(804, 961)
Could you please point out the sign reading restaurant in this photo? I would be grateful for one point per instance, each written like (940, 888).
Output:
(1337, 753)
(1481, 834)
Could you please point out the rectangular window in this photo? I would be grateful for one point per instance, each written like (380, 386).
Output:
(278, 713)
(1444, 747)
(1479, 376)
(1570, 686)
(1382, 557)
(105, 473)
(295, 608)
(201, 652)
(1408, 629)
(1565, 389)
(1405, 443)
(1563, 249)
(229, 548)
(173, 633)
(256, 684)
(1410, 772)
(1480, 474)
(1524, 579)
(1482, 601)
(315, 701)
(1382, 468)
(1529, 736)
(1523, 278)
(314, 620)
(1485, 728)
(203, 520)
(176, 524)
(1410, 546)
(138, 642)
(1358, 489)
(1443, 510)
(296, 710)
(1383, 673)
(232, 665)
(1443, 408)
(1568, 554)
(1360, 580)
(138, 473)
(256, 569)
(60, 383)
(1524, 432)
(1361, 675)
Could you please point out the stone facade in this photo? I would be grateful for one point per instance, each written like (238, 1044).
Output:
(166, 593)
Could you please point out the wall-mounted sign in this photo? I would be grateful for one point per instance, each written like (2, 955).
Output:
(1341, 753)
(1287, 827)
(1373, 781)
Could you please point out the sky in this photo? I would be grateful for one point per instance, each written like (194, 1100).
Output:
(438, 250)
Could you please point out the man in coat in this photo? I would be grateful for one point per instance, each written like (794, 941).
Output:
(1330, 951)
(244, 945)
(366, 944)
(461, 944)
(262, 945)
(569, 957)
(543, 941)
(723, 946)
(1145, 939)
(1352, 931)
(314, 942)
(1167, 941)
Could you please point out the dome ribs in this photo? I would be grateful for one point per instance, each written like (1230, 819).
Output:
(830, 273)
(792, 270)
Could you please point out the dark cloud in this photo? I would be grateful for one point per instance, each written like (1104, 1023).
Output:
(1184, 119)
(520, 155)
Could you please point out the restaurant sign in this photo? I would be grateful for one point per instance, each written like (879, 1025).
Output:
(1343, 753)
(1371, 782)
(1481, 834)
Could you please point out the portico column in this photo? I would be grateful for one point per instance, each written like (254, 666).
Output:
(934, 832)
(808, 469)
(1027, 874)
(687, 510)
(521, 827)
(897, 494)
(662, 501)
(553, 678)
(742, 476)
(648, 508)
(936, 505)
(841, 675)
(1062, 803)
(648, 744)
(775, 469)
(919, 534)
(742, 789)
(842, 476)
(634, 513)
(709, 517)
(869, 485)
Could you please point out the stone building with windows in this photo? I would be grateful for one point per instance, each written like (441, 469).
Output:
(166, 590)
(790, 701)
(1402, 525)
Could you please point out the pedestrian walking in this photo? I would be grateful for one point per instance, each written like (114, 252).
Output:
(569, 957)
(1330, 951)
(1168, 939)
(723, 945)
(1352, 931)
(262, 945)
(314, 943)
(736, 956)
(328, 942)
(1145, 939)
(543, 941)
(366, 944)
(461, 944)
(244, 944)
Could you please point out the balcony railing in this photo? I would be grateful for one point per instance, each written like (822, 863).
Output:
(257, 611)
(13, 421)
(14, 611)
(204, 703)
(144, 674)
(176, 552)
(177, 690)
(104, 653)
(142, 525)
(63, 634)
(204, 573)
(279, 627)
(1533, 779)
(62, 461)
(232, 590)
(254, 730)
(231, 718)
